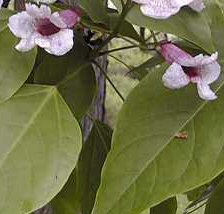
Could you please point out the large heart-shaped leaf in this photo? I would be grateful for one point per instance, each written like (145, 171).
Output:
(4, 15)
(186, 24)
(96, 9)
(73, 75)
(143, 168)
(39, 148)
(78, 195)
(15, 67)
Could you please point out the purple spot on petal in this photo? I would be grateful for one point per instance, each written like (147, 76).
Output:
(46, 28)
(191, 71)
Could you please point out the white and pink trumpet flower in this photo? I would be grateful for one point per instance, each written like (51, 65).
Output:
(184, 69)
(163, 9)
(39, 26)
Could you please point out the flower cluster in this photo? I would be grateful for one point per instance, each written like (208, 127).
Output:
(184, 68)
(163, 9)
(53, 32)
(39, 26)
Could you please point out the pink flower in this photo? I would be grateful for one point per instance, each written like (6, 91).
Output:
(38, 26)
(202, 70)
(163, 9)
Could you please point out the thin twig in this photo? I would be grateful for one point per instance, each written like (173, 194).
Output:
(117, 49)
(109, 80)
(193, 210)
(122, 62)
(116, 30)
(127, 40)
(154, 37)
(125, 48)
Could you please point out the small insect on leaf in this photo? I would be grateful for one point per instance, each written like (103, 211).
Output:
(182, 135)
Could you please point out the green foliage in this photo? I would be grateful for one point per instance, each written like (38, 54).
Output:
(73, 75)
(169, 207)
(13, 75)
(40, 144)
(147, 165)
(80, 191)
(215, 203)
(186, 24)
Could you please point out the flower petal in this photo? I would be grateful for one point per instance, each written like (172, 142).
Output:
(199, 60)
(45, 1)
(57, 20)
(141, 1)
(210, 72)
(181, 3)
(210, 59)
(175, 78)
(61, 42)
(159, 9)
(205, 91)
(197, 5)
(26, 44)
(42, 41)
(22, 25)
(70, 17)
(1, 2)
(173, 53)
(38, 12)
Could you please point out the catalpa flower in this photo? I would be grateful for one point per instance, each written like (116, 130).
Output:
(163, 9)
(201, 70)
(38, 26)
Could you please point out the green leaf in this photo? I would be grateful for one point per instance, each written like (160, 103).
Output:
(215, 203)
(78, 195)
(73, 75)
(197, 193)
(126, 29)
(216, 22)
(142, 70)
(96, 10)
(4, 15)
(91, 162)
(40, 144)
(67, 201)
(15, 67)
(186, 24)
(144, 167)
(169, 207)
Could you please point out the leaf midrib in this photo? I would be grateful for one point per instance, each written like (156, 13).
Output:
(26, 128)
(159, 151)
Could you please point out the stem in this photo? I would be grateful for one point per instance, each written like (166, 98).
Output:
(154, 37)
(122, 3)
(117, 49)
(119, 60)
(109, 80)
(150, 37)
(116, 30)
(125, 48)
(127, 40)
(193, 210)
